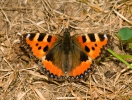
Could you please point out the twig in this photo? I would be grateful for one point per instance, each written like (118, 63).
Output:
(130, 22)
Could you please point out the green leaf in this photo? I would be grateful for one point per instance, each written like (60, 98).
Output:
(125, 33)
(131, 98)
(130, 46)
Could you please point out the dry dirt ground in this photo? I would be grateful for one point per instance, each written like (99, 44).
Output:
(20, 78)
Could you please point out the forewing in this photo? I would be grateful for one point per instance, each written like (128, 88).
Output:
(39, 43)
(92, 43)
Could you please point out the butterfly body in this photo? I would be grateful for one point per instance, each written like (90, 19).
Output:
(66, 57)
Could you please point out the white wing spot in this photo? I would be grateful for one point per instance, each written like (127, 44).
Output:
(43, 58)
(105, 36)
(28, 36)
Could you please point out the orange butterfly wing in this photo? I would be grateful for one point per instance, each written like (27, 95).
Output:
(92, 43)
(40, 44)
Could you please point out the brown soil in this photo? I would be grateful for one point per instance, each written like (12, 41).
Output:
(19, 74)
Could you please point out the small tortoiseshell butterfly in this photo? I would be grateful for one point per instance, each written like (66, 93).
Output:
(66, 57)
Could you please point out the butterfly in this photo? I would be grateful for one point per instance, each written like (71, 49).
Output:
(65, 57)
